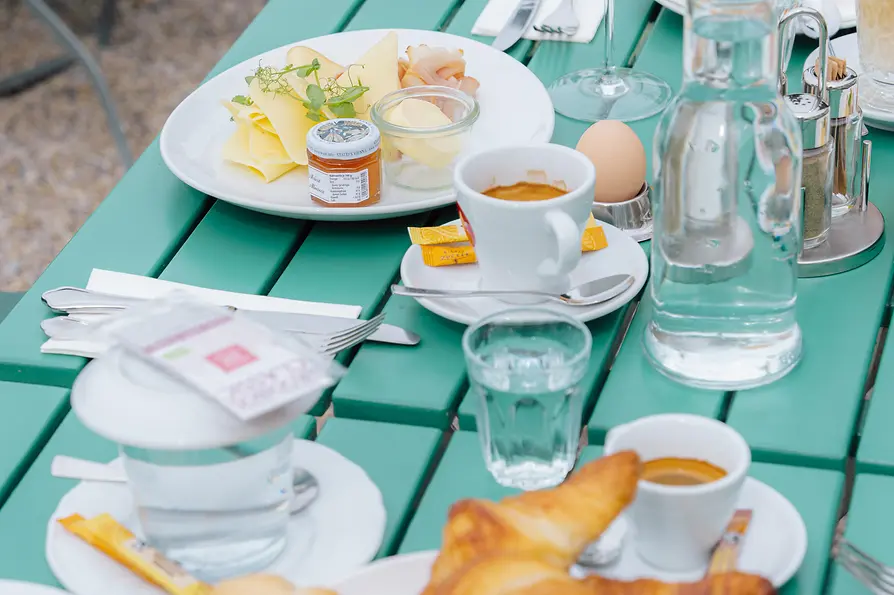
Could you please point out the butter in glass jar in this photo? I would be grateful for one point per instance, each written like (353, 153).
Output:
(344, 167)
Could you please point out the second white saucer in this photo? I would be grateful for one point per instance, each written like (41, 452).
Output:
(345, 524)
(774, 546)
(622, 255)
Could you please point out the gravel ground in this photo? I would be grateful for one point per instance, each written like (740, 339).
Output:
(57, 158)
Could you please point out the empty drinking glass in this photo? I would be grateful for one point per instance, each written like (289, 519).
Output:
(609, 92)
(526, 366)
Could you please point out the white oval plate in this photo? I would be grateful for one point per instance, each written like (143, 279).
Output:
(20, 588)
(774, 547)
(515, 109)
(848, 10)
(623, 255)
(846, 47)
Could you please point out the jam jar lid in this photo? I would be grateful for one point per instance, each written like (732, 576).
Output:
(343, 139)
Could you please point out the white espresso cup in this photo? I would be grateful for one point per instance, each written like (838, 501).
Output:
(676, 527)
(526, 245)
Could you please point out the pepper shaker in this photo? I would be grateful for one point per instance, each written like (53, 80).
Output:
(846, 122)
(813, 115)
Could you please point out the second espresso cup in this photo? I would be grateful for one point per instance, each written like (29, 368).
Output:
(526, 245)
(677, 526)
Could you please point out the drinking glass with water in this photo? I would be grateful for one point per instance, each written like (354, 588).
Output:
(526, 366)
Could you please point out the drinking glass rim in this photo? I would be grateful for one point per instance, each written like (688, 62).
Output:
(548, 315)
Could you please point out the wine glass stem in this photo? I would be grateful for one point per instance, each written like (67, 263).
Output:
(609, 37)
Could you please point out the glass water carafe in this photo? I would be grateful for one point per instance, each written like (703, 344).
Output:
(727, 207)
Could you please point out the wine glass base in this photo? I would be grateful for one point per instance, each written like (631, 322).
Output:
(621, 94)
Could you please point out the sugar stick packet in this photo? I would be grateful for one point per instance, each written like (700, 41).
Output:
(114, 540)
(726, 554)
(449, 245)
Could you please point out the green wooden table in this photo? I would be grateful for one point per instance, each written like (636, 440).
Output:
(397, 407)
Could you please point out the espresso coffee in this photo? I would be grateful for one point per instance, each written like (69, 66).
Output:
(525, 192)
(681, 472)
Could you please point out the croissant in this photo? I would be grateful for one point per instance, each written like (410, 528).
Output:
(553, 526)
(508, 575)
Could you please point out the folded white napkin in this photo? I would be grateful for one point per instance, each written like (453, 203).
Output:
(498, 12)
(126, 285)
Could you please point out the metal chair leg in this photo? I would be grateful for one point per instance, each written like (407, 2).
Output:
(70, 40)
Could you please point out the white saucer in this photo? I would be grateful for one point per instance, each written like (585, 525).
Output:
(347, 522)
(774, 546)
(623, 255)
(19, 588)
(846, 47)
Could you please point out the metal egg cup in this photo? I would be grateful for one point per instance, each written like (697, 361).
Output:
(633, 216)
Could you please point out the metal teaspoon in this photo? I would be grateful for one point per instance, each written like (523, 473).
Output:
(305, 486)
(586, 294)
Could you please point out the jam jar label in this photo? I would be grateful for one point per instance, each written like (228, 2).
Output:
(339, 188)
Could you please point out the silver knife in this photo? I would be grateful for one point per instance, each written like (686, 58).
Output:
(74, 300)
(517, 24)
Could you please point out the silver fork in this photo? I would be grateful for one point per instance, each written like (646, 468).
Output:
(866, 569)
(66, 327)
(562, 21)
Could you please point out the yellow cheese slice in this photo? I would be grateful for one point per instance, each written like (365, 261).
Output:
(288, 117)
(250, 114)
(236, 149)
(266, 148)
(435, 152)
(377, 69)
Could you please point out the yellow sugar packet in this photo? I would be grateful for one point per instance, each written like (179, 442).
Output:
(451, 234)
(439, 256)
(432, 236)
(726, 554)
(114, 540)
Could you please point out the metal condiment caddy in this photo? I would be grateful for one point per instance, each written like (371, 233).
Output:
(851, 233)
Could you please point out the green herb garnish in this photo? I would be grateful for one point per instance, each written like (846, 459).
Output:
(242, 100)
(326, 92)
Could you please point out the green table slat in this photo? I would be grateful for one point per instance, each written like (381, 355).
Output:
(461, 474)
(876, 449)
(634, 389)
(235, 250)
(393, 14)
(424, 385)
(604, 332)
(869, 527)
(33, 412)
(23, 519)
(397, 458)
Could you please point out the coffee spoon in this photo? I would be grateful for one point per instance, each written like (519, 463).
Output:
(305, 486)
(589, 293)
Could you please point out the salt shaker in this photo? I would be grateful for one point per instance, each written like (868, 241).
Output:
(846, 121)
(813, 116)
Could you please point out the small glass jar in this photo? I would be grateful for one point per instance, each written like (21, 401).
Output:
(812, 114)
(424, 132)
(846, 122)
(344, 167)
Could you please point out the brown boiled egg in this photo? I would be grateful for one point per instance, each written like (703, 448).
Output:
(619, 157)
